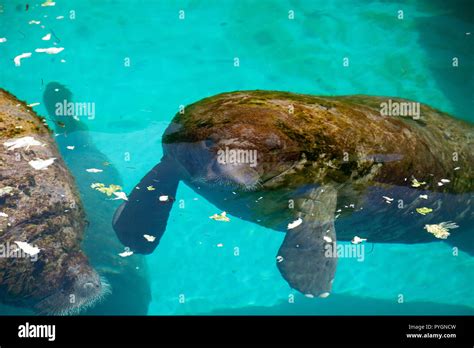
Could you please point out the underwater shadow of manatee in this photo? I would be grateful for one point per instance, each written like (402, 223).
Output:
(348, 305)
(100, 242)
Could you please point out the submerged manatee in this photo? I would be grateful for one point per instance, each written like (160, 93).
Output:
(40, 207)
(310, 159)
(100, 242)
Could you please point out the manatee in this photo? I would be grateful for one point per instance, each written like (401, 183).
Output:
(308, 166)
(100, 243)
(40, 207)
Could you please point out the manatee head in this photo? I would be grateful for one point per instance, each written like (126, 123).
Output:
(235, 156)
(71, 286)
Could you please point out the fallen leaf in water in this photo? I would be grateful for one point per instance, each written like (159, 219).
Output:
(104, 189)
(220, 217)
(149, 238)
(27, 248)
(441, 230)
(358, 240)
(48, 3)
(120, 195)
(150, 188)
(50, 50)
(295, 223)
(327, 239)
(126, 253)
(416, 183)
(17, 59)
(424, 210)
(94, 170)
(40, 164)
(21, 142)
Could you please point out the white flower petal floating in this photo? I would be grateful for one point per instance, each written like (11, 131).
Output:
(358, 240)
(94, 170)
(47, 37)
(324, 295)
(280, 258)
(50, 50)
(17, 59)
(149, 238)
(21, 142)
(34, 22)
(295, 223)
(220, 245)
(40, 164)
(387, 199)
(424, 196)
(327, 239)
(120, 195)
(3, 39)
(126, 253)
(27, 248)
(70, 147)
(163, 198)
(32, 105)
(60, 17)
(445, 180)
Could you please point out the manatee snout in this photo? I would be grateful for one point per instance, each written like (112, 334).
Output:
(73, 288)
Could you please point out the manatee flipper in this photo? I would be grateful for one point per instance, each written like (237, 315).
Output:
(144, 213)
(302, 258)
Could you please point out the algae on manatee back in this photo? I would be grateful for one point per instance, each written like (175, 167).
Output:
(44, 213)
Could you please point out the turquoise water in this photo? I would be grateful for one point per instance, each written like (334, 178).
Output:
(175, 62)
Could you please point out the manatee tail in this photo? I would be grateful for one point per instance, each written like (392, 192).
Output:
(306, 258)
(147, 210)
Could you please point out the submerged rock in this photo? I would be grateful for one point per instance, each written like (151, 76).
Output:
(41, 207)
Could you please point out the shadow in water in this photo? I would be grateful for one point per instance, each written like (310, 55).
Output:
(100, 244)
